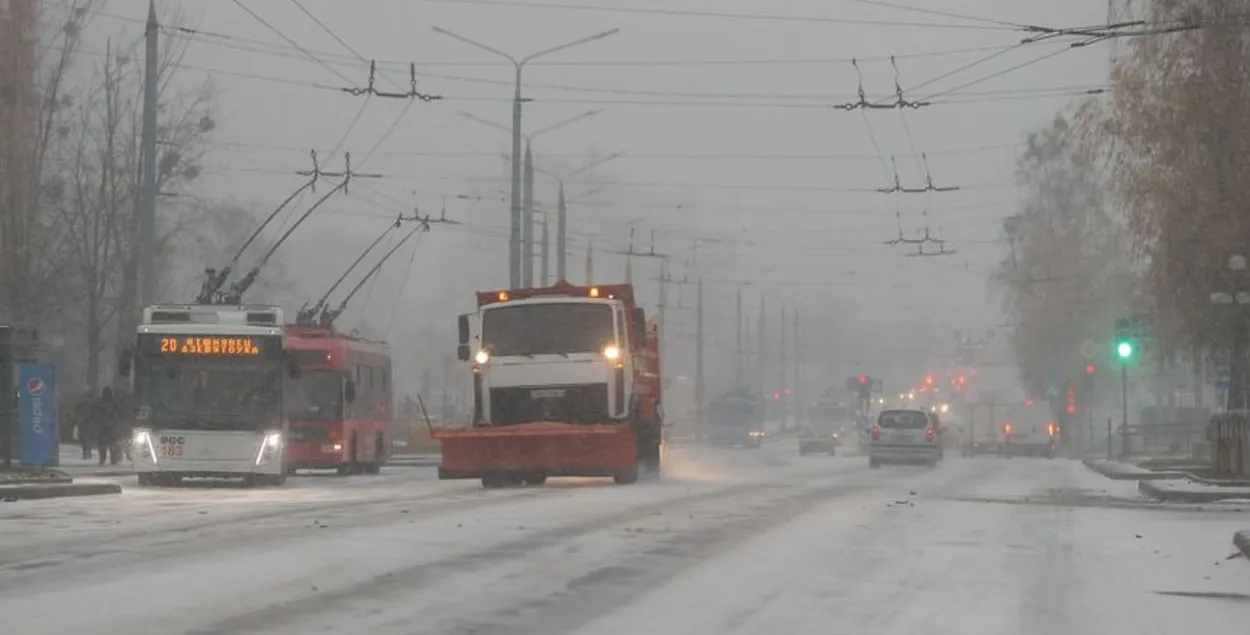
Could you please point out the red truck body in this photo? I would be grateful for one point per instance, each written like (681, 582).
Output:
(530, 452)
(328, 430)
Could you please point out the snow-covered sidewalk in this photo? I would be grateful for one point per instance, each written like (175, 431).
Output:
(1188, 491)
(1127, 471)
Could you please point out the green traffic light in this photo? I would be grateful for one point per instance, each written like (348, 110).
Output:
(1124, 350)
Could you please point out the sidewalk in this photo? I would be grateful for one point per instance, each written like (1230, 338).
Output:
(1128, 472)
(73, 464)
(1187, 491)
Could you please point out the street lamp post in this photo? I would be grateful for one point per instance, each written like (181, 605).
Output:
(514, 233)
(562, 222)
(527, 167)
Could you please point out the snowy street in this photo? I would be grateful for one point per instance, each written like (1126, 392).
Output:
(732, 542)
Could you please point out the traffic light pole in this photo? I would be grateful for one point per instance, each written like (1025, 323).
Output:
(1124, 441)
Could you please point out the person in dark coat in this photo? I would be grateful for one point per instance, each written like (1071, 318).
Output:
(83, 421)
(107, 420)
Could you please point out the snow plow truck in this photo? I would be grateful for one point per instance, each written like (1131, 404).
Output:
(566, 382)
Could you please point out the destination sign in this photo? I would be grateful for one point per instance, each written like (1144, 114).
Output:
(232, 346)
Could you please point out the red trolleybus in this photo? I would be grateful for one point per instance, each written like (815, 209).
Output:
(340, 408)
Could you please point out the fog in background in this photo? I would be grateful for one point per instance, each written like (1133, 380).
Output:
(733, 157)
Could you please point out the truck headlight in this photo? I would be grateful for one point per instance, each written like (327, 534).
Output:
(611, 352)
(482, 356)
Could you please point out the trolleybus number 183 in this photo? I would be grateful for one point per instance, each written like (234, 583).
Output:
(172, 446)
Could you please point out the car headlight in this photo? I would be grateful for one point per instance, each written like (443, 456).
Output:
(611, 352)
(482, 356)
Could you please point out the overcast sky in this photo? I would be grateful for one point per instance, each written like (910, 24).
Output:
(721, 108)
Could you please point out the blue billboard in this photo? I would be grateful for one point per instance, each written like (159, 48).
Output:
(38, 437)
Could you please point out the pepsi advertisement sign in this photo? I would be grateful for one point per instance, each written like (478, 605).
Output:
(38, 433)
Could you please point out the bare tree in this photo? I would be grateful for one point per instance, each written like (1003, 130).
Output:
(34, 102)
(94, 190)
(1067, 273)
(1178, 116)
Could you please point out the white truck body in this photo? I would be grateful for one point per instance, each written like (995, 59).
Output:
(552, 358)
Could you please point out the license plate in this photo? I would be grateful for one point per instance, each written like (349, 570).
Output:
(547, 393)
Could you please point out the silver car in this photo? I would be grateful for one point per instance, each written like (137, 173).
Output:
(905, 435)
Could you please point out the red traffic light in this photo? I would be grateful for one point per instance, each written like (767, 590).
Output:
(928, 380)
(863, 380)
(1090, 369)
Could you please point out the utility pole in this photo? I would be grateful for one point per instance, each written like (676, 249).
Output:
(798, 410)
(518, 64)
(544, 279)
(590, 262)
(147, 210)
(562, 226)
(781, 369)
(761, 358)
(699, 397)
(527, 238)
(738, 360)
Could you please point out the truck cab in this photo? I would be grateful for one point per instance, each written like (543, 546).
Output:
(553, 357)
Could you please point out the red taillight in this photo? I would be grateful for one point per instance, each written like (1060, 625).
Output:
(928, 433)
(876, 433)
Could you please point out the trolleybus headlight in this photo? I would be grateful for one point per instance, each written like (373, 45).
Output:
(269, 447)
(611, 352)
(142, 439)
(482, 356)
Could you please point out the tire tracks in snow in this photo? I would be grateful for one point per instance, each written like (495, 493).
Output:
(389, 603)
(396, 587)
(57, 558)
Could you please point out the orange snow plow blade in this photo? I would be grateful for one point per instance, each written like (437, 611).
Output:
(549, 447)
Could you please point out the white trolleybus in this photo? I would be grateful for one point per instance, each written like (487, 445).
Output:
(208, 385)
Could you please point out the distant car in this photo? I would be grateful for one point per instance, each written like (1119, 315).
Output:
(815, 441)
(904, 435)
(1029, 432)
(978, 447)
(1034, 441)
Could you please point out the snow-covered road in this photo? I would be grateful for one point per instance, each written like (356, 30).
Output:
(733, 542)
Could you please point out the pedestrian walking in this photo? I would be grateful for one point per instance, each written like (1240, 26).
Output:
(106, 416)
(84, 422)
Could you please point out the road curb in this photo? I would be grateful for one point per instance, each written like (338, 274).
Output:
(1215, 482)
(1242, 540)
(1104, 468)
(1151, 489)
(59, 490)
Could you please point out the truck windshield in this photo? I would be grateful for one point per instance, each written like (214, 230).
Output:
(316, 396)
(208, 393)
(553, 328)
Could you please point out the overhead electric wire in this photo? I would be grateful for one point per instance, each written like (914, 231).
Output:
(632, 155)
(770, 17)
(288, 40)
(644, 184)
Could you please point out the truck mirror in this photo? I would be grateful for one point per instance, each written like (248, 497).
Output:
(124, 362)
(640, 322)
(462, 352)
(462, 323)
(349, 391)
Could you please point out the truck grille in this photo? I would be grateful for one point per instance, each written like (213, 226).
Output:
(586, 404)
